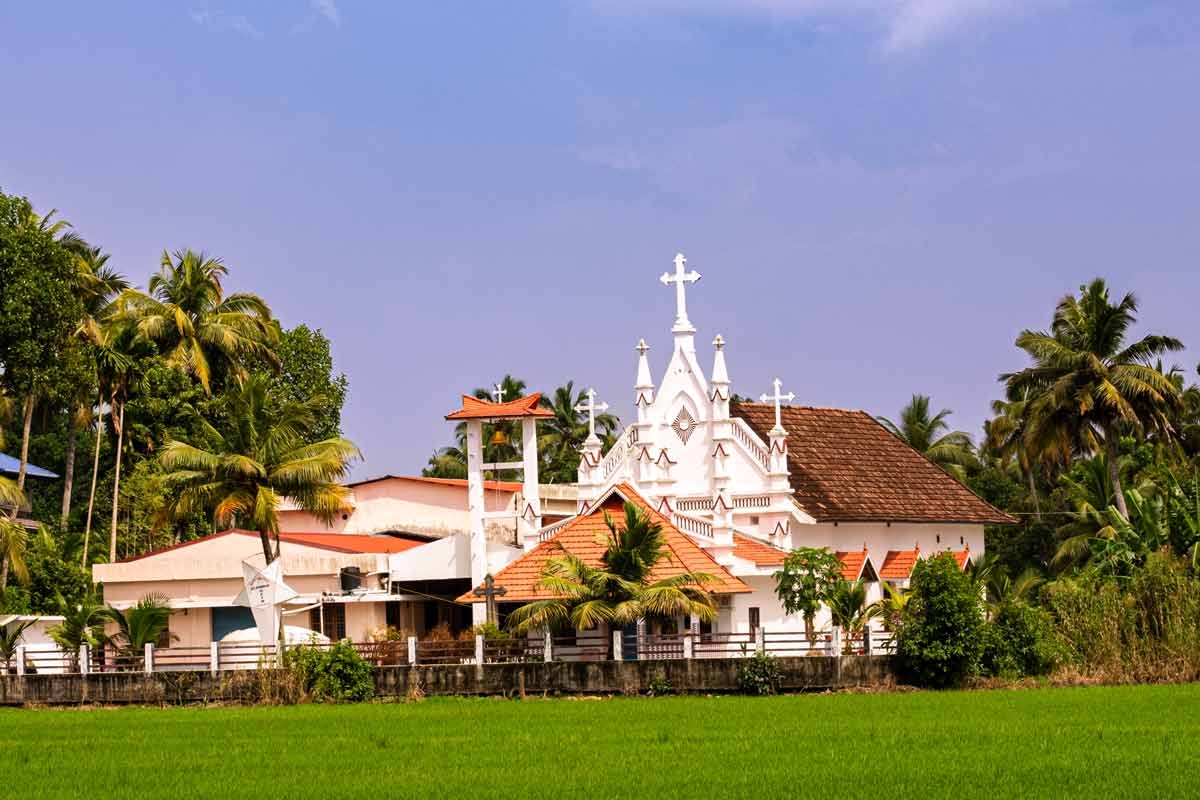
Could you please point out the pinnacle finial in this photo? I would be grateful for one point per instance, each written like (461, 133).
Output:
(642, 348)
(719, 342)
(778, 397)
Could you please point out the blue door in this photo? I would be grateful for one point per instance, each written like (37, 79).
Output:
(228, 620)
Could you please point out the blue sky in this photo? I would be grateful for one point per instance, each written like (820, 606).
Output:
(879, 195)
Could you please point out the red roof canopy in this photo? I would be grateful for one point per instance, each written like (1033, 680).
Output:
(474, 408)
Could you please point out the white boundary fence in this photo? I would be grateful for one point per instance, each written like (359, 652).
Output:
(586, 646)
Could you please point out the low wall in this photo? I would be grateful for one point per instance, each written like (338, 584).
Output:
(565, 677)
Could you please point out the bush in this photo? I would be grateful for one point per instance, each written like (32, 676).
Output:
(337, 674)
(1019, 641)
(941, 633)
(660, 686)
(760, 675)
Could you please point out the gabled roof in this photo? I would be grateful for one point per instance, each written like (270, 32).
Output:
(856, 565)
(584, 537)
(846, 467)
(335, 542)
(474, 408)
(759, 553)
(502, 486)
(898, 564)
(962, 557)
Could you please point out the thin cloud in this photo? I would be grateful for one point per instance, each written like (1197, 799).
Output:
(220, 21)
(904, 25)
(327, 9)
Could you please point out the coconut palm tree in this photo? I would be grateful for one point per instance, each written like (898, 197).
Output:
(197, 327)
(14, 541)
(932, 437)
(82, 624)
(98, 287)
(848, 609)
(144, 623)
(256, 462)
(563, 436)
(10, 639)
(1088, 385)
(619, 591)
(1005, 436)
(890, 607)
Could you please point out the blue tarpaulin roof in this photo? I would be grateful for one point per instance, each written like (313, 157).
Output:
(11, 466)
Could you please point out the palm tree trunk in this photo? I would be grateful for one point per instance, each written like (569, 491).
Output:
(1033, 492)
(26, 426)
(87, 530)
(68, 469)
(112, 538)
(265, 539)
(4, 575)
(1114, 474)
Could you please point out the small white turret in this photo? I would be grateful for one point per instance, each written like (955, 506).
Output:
(643, 391)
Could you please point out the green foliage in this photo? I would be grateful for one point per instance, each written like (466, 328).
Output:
(931, 436)
(660, 686)
(142, 624)
(759, 675)
(304, 371)
(338, 674)
(1020, 641)
(805, 580)
(55, 577)
(941, 632)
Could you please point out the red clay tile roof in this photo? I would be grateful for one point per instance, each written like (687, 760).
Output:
(898, 564)
(963, 557)
(852, 563)
(584, 536)
(337, 542)
(503, 486)
(759, 553)
(474, 408)
(847, 467)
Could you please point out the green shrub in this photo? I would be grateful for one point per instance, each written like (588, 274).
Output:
(337, 674)
(941, 633)
(660, 686)
(759, 675)
(1019, 641)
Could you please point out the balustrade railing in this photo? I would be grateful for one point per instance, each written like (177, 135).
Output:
(694, 504)
(751, 501)
(618, 453)
(746, 437)
(692, 525)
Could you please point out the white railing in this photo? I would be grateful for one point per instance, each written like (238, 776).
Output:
(748, 439)
(692, 525)
(619, 453)
(547, 532)
(694, 504)
(752, 501)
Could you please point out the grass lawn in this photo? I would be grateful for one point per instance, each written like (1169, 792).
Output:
(1096, 742)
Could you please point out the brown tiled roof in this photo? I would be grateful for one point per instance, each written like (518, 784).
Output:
(846, 467)
(759, 553)
(584, 536)
(898, 564)
(474, 408)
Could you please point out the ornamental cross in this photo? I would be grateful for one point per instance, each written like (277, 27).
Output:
(590, 408)
(489, 592)
(498, 393)
(778, 398)
(680, 279)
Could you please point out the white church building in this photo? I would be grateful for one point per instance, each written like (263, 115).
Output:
(745, 483)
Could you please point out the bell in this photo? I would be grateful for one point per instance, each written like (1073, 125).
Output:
(498, 438)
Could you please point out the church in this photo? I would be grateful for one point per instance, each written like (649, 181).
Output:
(737, 485)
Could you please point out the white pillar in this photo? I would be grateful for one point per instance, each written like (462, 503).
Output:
(760, 640)
(149, 657)
(618, 650)
(478, 649)
(547, 643)
(214, 658)
(688, 646)
(531, 515)
(84, 659)
(412, 650)
(20, 660)
(475, 509)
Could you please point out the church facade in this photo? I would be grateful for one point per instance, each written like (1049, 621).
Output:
(748, 482)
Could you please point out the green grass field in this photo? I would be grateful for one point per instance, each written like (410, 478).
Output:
(1096, 742)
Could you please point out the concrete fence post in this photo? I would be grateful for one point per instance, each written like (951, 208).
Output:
(618, 654)
(835, 641)
(478, 649)
(867, 641)
(20, 660)
(760, 640)
(149, 659)
(412, 650)
(214, 657)
(688, 647)
(85, 658)
(547, 643)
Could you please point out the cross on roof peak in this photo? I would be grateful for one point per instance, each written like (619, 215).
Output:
(777, 398)
(642, 348)
(590, 408)
(498, 393)
(680, 278)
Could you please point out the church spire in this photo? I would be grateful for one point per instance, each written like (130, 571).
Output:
(643, 391)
